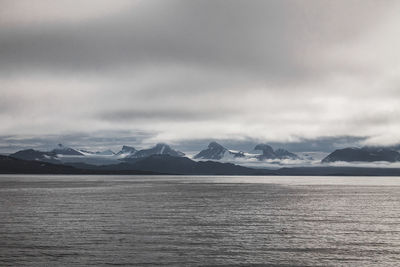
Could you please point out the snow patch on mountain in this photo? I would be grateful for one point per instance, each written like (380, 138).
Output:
(159, 149)
(215, 151)
(63, 150)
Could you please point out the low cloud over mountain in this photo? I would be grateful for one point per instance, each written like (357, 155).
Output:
(161, 71)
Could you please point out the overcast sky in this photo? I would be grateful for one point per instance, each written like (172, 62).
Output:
(149, 71)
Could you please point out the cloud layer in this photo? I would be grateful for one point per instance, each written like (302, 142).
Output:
(273, 71)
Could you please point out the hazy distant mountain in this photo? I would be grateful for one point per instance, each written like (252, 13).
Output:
(159, 149)
(67, 151)
(217, 152)
(126, 151)
(284, 154)
(107, 152)
(63, 154)
(269, 153)
(14, 165)
(165, 164)
(31, 154)
(365, 154)
(214, 151)
(54, 156)
(10, 165)
(396, 147)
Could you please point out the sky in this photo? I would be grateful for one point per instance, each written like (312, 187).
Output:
(308, 75)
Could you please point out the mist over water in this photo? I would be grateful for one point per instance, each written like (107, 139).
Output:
(199, 220)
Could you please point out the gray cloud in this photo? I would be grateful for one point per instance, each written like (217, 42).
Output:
(132, 115)
(271, 38)
(278, 71)
(93, 141)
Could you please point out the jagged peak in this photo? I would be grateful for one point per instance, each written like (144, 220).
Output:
(161, 145)
(263, 147)
(214, 144)
(128, 148)
(61, 149)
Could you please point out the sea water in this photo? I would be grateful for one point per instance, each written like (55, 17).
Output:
(61, 220)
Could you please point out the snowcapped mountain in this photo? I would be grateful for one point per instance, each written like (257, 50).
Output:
(217, 152)
(62, 154)
(269, 153)
(53, 156)
(107, 152)
(31, 154)
(126, 151)
(62, 150)
(159, 149)
(214, 151)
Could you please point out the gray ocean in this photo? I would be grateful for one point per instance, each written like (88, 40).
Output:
(199, 221)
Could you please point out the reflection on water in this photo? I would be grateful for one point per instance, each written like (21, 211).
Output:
(167, 220)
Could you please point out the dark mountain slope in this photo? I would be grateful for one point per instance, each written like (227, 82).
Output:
(339, 171)
(13, 165)
(10, 165)
(216, 151)
(31, 154)
(269, 153)
(183, 165)
(365, 154)
(67, 151)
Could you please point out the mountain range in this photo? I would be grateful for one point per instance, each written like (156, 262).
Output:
(161, 158)
(62, 154)
(215, 151)
(10, 165)
(166, 164)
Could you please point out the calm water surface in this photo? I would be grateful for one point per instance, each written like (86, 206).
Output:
(197, 221)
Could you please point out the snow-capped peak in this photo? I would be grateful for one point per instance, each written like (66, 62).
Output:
(63, 150)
